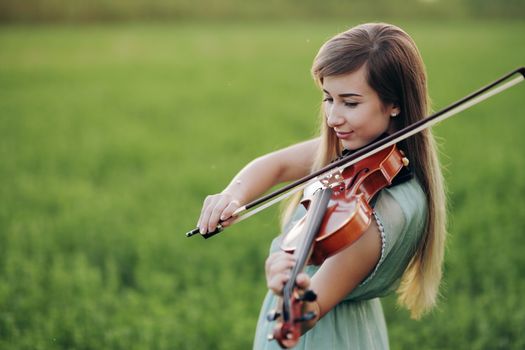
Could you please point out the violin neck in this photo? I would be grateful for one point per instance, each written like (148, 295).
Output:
(316, 213)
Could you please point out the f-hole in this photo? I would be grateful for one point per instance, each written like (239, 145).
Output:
(354, 179)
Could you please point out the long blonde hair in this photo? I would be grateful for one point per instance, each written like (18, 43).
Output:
(396, 72)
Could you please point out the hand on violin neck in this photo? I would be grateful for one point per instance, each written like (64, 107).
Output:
(278, 268)
(217, 209)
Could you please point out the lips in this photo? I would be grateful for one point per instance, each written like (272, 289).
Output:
(343, 134)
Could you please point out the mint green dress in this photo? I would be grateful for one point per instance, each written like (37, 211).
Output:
(357, 322)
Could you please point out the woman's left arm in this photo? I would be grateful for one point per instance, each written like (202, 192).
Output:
(337, 276)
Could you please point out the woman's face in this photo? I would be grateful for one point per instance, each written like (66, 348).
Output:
(353, 109)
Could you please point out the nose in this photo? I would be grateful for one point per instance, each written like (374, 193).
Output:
(334, 117)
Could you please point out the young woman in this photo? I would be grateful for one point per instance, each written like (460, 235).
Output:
(373, 82)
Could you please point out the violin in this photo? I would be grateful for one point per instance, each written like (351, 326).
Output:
(339, 212)
(347, 213)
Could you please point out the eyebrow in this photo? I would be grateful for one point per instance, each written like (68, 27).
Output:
(344, 95)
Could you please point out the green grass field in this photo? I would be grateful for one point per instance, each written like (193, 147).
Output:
(111, 136)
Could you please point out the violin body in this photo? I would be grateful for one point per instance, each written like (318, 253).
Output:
(345, 222)
(348, 213)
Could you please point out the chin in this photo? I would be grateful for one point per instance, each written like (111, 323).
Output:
(351, 146)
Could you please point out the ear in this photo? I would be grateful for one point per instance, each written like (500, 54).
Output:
(394, 111)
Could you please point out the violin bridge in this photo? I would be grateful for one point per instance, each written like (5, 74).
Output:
(333, 180)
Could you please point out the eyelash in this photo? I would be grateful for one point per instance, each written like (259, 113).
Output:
(347, 104)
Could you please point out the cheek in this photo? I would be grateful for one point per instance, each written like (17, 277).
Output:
(373, 119)
(386, 124)
(377, 123)
(383, 117)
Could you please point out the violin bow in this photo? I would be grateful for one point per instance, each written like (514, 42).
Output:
(486, 92)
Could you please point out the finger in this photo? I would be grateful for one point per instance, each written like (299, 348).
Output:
(282, 265)
(216, 212)
(269, 261)
(227, 216)
(230, 209)
(204, 204)
(227, 222)
(275, 257)
(281, 255)
(302, 281)
(207, 207)
(277, 283)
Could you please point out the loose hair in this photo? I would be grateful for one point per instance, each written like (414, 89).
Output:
(395, 70)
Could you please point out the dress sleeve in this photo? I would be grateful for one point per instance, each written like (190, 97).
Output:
(400, 214)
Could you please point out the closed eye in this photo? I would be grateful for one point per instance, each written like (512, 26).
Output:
(351, 104)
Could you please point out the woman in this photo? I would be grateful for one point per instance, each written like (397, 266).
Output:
(373, 82)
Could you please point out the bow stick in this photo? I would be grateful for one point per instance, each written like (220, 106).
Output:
(254, 207)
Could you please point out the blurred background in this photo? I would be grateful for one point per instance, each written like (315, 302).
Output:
(118, 117)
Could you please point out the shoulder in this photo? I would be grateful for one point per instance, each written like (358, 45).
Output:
(409, 192)
(403, 205)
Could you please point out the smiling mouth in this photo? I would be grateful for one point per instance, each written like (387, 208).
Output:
(343, 134)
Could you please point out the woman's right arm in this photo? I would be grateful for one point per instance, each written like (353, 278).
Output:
(254, 179)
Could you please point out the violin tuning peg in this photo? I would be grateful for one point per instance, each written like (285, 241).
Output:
(272, 316)
(308, 296)
(405, 161)
(310, 315)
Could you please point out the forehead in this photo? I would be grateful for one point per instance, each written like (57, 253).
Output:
(354, 82)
